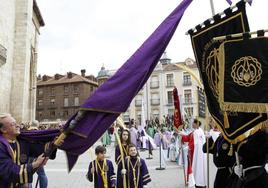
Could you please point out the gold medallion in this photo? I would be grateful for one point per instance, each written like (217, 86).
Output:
(246, 71)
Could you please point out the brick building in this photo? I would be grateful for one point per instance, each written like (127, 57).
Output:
(60, 96)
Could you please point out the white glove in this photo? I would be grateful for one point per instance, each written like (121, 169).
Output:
(238, 169)
(123, 171)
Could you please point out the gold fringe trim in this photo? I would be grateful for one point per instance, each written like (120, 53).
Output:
(100, 110)
(242, 137)
(244, 107)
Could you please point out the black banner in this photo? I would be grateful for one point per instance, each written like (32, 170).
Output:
(233, 125)
(244, 74)
(201, 103)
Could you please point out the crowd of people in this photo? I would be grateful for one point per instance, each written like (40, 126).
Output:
(21, 158)
(189, 147)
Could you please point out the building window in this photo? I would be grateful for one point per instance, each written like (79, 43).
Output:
(66, 102)
(40, 102)
(187, 96)
(76, 101)
(155, 99)
(154, 82)
(40, 92)
(66, 89)
(170, 97)
(138, 100)
(52, 113)
(52, 101)
(65, 113)
(76, 89)
(170, 82)
(126, 117)
(187, 79)
(189, 111)
(40, 114)
(91, 88)
(52, 91)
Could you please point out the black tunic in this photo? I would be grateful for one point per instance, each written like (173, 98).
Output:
(255, 153)
(222, 161)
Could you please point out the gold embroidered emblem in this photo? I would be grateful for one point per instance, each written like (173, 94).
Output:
(212, 71)
(246, 71)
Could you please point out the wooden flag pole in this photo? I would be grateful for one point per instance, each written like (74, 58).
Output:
(120, 122)
(122, 157)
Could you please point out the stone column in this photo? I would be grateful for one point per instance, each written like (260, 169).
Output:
(20, 90)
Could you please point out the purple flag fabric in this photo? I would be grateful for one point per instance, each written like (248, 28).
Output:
(230, 2)
(40, 135)
(116, 94)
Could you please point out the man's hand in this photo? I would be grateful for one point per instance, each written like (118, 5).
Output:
(40, 161)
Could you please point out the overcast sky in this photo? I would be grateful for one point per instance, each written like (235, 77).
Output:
(85, 34)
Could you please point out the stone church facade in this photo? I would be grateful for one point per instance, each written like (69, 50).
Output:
(20, 23)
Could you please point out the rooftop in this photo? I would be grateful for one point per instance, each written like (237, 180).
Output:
(70, 77)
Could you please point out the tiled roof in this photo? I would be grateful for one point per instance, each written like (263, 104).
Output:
(63, 80)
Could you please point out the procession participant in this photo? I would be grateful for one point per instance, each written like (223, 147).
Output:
(119, 158)
(224, 162)
(101, 170)
(106, 139)
(197, 158)
(254, 155)
(133, 135)
(136, 171)
(15, 171)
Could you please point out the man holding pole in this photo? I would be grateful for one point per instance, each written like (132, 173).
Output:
(15, 171)
(196, 140)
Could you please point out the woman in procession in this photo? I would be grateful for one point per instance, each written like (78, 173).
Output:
(120, 157)
(136, 171)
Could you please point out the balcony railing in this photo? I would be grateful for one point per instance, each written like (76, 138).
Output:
(138, 102)
(188, 101)
(170, 102)
(154, 84)
(187, 83)
(155, 102)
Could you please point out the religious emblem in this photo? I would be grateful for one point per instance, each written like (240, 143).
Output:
(246, 71)
(212, 71)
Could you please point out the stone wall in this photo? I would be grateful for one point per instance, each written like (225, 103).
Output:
(19, 32)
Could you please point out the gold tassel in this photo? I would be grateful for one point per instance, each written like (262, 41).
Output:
(226, 121)
(231, 152)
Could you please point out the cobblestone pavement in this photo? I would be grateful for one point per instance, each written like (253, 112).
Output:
(171, 177)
